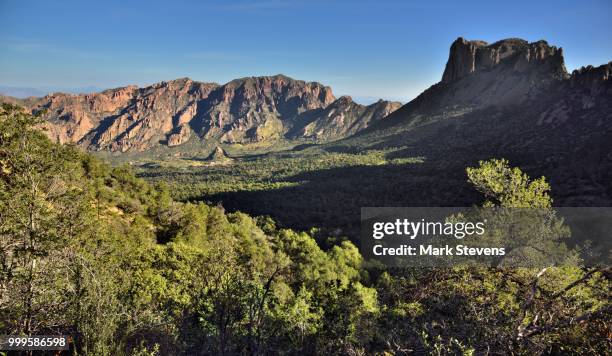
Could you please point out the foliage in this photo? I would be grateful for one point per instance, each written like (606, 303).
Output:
(465, 310)
(95, 252)
(509, 187)
(299, 189)
(98, 253)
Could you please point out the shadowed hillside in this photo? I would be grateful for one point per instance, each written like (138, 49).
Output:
(511, 99)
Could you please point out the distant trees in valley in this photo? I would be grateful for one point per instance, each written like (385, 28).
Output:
(95, 252)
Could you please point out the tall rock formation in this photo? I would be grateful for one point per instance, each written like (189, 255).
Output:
(513, 54)
(510, 99)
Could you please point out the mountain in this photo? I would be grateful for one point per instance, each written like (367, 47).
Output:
(510, 99)
(245, 110)
(344, 117)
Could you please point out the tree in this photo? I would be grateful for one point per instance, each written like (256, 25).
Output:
(504, 309)
(543, 296)
(505, 186)
(42, 206)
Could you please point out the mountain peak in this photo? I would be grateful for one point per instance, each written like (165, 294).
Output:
(467, 57)
(345, 99)
(181, 80)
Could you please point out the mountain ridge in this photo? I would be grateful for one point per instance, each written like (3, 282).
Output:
(469, 81)
(170, 113)
(524, 107)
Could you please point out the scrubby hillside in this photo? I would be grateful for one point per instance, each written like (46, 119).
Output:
(93, 252)
(96, 253)
(511, 99)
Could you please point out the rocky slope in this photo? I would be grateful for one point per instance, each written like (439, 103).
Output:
(171, 113)
(510, 99)
(344, 117)
(505, 73)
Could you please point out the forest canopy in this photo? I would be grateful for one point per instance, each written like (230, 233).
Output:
(92, 251)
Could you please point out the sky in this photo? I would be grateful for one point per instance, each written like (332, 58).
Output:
(367, 49)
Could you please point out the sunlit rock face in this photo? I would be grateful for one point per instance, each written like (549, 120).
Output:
(171, 113)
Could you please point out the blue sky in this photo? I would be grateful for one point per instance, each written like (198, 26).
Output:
(367, 49)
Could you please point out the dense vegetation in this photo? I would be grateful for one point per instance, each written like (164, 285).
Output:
(97, 253)
(300, 189)
(256, 173)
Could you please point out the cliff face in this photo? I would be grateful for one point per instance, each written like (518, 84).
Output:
(171, 113)
(121, 119)
(509, 76)
(506, 73)
(519, 56)
(593, 78)
(258, 108)
(514, 100)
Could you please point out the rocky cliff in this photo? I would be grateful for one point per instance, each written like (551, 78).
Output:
(517, 55)
(171, 113)
(506, 73)
(120, 119)
(510, 99)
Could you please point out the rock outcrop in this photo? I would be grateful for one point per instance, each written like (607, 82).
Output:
(518, 55)
(179, 136)
(344, 117)
(591, 77)
(171, 113)
(121, 119)
(514, 100)
(509, 72)
(258, 108)
(219, 156)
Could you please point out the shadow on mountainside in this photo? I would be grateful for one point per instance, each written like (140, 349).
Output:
(579, 170)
